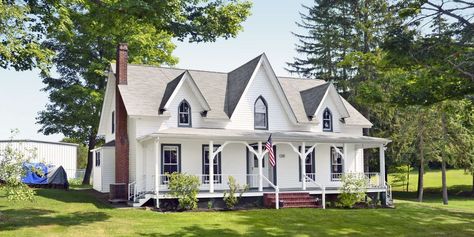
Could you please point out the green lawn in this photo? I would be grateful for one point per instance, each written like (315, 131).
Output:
(456, 179)
(78, 213)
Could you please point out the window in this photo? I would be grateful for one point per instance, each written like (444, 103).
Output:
(184, 114)
(337, 167)
(205, 165)
(113, 122)
(260, 114)
(327, 120)
(170, 160)
(97, 158)
(309, 164)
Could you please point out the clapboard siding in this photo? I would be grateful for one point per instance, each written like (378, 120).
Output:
(243, 117)
(49, 153)
(185, 93)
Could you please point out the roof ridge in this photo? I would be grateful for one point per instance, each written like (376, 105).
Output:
(176, 68)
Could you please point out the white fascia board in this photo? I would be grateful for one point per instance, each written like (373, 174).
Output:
(278, 88)
(332, 92)
(109, 88)
(187, 78)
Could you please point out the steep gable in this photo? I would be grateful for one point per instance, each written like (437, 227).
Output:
(237, 81)
(173, 87)
(313, 99)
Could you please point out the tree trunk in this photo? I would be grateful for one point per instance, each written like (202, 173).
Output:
(421, 169)
(408, 177)
(91, 145)
(472, 184)
(443, 160)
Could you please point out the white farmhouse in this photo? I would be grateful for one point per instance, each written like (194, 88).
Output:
(159, 120)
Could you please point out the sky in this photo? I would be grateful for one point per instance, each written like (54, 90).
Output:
(267, 30)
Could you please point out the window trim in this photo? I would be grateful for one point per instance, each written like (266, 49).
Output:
(97, 159)
(189, 124)
(266, 114)
(331, 157)
(164, 181)
(113, 122)
(330, 129)
(219, 165)
(313, 160)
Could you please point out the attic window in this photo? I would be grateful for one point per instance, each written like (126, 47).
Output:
(327, 120)
(260, 114)
(184, 114)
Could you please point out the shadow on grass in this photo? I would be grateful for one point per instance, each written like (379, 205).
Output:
(407, 220)
(74, 196)
(12, 219)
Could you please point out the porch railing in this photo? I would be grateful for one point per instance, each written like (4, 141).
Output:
(323, 189)
(220, 181)
(372, 178)
(132, 191)
(277, 191)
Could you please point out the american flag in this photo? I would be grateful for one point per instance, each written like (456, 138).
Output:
(269, 147)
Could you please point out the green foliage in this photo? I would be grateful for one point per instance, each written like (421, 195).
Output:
(400, 175)
(11, 171)
(353, 190)
(82, 153)
(230, 197)
(186, 188)
(84, 36)
(19, 40)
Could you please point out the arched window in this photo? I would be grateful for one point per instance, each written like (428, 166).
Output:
(260, 114)
(184, 114)
(327, 120)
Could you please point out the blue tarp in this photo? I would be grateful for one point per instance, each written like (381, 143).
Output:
(36, 173)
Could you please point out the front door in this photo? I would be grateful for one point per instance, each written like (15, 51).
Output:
(267, 169)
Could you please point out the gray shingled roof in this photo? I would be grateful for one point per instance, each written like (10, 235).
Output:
(313, 97)
(237, 81)
(149, 87)
(170, 87)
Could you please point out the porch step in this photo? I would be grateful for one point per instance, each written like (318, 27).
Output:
(291, 200)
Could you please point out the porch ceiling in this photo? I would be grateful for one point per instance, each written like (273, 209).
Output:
(258, 135)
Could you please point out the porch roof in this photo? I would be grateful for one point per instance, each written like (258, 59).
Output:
(259, 135)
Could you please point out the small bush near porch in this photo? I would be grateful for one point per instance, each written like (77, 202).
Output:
(78, 212)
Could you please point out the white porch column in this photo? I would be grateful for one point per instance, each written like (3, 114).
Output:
(211, 166)
(260, 168)
(157, 170)
(303, 167)
(382, 165)
(344, 158)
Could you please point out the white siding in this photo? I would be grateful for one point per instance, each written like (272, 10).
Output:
(104, 175)
(132, 154)
(185, 93)
(234, 162)
(243, 117)
(49, 153)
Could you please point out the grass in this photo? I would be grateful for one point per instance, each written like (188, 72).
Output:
(78, 213)
(457, 179)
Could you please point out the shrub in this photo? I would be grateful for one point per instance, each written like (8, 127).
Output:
(230, 197)
(185, 187)
(353, 190)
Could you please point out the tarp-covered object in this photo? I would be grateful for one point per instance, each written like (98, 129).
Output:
(39, 174)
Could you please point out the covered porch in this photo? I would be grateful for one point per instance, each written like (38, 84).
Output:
(242, 154)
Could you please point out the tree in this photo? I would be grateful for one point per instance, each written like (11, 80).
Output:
(20, 47)
(84, 35)
(81, 152)
(12, 169)
(328, 40)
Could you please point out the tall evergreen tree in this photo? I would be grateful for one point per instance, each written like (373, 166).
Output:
(329, 26)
